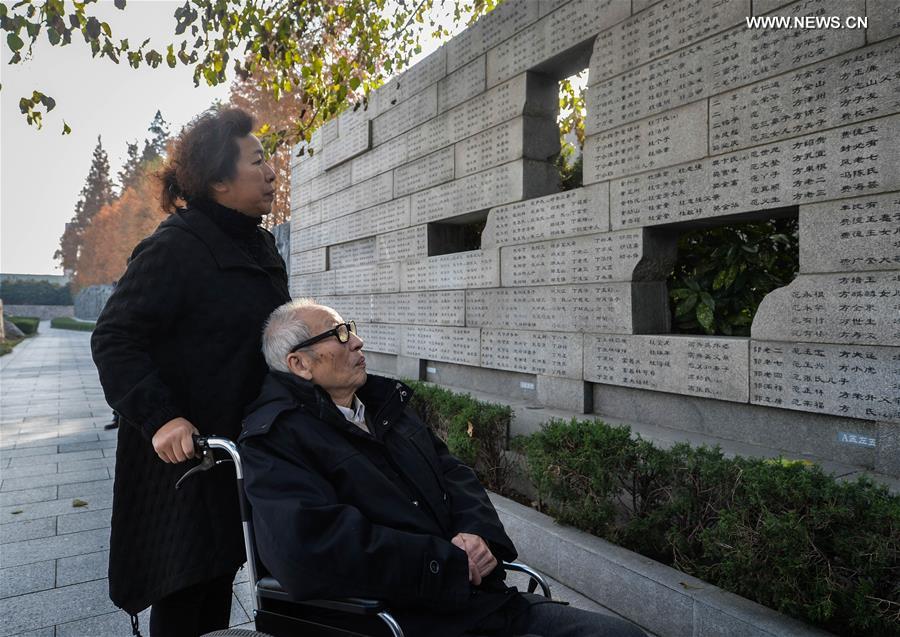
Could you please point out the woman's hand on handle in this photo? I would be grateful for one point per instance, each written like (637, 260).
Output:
(173, 442)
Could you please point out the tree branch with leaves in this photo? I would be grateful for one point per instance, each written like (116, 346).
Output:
(330, 52)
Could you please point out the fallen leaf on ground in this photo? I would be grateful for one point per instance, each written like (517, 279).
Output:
(17, 512)
(79, 503)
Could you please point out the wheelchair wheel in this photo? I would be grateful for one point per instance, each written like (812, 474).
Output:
(236, 632)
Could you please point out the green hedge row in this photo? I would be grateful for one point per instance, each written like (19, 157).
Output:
(28, 324)
(779, 532)
(68, 323)
(475, 432)
(21, 292)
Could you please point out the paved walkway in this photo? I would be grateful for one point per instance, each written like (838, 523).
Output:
(56, 470)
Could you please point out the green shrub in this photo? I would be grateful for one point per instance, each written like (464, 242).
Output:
(68, 323)
(28, 324)
(781, 533)
(475, 432)
(21, 292)
(723, 273)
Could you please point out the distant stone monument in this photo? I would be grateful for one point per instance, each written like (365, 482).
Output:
(693, 118)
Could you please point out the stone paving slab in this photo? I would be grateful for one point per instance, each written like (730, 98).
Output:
(81, 568)
(86, 521)
(54, 457)
(54, 606)
(29, 578)
(86, 489)
(26, 496)
(64, 506)
(57, 546)
(115, 624)
(27, 530)
(16, 484)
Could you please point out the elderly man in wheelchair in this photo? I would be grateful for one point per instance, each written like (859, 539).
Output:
(353, 496)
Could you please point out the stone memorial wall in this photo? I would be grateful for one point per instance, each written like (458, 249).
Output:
(433, 216)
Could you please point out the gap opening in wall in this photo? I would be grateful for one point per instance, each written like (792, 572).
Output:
(725, 267)
(572, 111)
(461, 234)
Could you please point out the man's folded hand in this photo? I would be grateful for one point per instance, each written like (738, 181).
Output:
(481, 560)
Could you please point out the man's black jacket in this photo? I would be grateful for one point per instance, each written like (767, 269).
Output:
(339, 512)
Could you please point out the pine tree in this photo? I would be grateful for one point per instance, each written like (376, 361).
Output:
(155, 147)
(96, 193)
(130, 173)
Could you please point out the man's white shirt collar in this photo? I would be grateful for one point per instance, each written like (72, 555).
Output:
(356, 415)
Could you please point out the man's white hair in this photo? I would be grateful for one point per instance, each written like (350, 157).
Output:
(284, 329)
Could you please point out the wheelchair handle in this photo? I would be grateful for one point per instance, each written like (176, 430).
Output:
(203, 447)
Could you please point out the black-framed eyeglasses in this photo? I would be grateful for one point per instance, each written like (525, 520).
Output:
(342, 332)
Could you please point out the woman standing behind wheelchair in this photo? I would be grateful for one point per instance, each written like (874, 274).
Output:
(178, 351)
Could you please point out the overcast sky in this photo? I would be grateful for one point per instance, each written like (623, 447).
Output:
(41, 171)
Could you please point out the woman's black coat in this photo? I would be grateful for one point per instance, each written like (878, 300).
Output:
(338, 512)
(180, 336)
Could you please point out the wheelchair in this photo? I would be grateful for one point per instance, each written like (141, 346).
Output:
(275, 614)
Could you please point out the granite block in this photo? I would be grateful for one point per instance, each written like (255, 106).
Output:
(460, 270)
(449, 344)
(725, 61)
(379, 160)
(425, 172)
(852, 381)
(407, 114)
(380, 337)
(310, 261)
(707, 366)
(658, 31)
(673, 137)
(571, 213)
(622, 308)
(510, 182)
(850, 161)
(523, 137)
(884, 19)
(629, 255)
(352, 253)
(461, 85)
(853, 87)
(557, 354)
(851, 235)
(854, 308)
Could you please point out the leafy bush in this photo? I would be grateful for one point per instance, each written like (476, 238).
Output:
(475, 432)
(68, 323)
(781, 533)
(28, 324)
(723, 273)
(19, 292)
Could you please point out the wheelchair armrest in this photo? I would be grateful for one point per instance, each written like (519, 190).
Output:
(270, 588)
(536, 578)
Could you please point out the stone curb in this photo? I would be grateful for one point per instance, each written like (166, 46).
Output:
(664, 601)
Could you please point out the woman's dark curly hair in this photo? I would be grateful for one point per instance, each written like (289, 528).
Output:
(205, 152)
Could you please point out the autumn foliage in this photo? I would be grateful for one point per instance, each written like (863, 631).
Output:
(116, 229)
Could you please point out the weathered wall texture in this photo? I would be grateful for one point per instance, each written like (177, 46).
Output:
(692, 118)
(89, 302)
